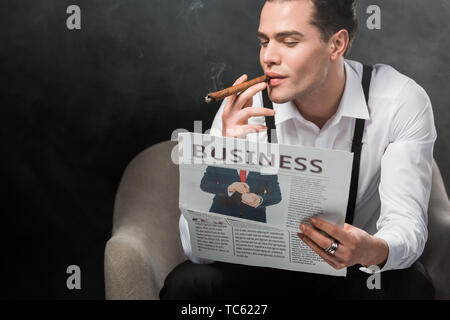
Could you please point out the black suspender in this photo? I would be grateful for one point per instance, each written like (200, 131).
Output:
(270, 121)
(356, 143)
(356, 149)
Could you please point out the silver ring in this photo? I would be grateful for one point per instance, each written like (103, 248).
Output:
(333, 247)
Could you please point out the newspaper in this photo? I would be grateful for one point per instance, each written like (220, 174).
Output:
(259, 225)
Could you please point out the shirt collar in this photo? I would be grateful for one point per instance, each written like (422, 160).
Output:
(353, 102)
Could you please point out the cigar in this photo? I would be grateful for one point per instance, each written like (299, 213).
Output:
(222, 94)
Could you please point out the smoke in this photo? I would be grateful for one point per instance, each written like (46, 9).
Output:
(215, 74)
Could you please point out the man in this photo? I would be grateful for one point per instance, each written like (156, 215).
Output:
(239, 193)
(318, 100)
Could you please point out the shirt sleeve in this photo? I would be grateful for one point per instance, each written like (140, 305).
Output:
(405, 178)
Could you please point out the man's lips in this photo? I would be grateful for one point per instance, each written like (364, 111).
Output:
(275, 81)
(275, 78)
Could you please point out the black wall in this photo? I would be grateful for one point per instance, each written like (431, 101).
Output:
(77, 106)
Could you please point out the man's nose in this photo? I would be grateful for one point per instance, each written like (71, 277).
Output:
(271, 54)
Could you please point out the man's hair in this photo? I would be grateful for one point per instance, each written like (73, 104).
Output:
(330, 16)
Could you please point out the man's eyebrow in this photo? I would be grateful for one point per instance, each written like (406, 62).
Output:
(282, 34)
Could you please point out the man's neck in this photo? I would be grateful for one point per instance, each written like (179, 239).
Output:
(321, 104)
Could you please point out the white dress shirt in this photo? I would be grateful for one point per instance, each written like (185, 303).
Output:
(396, 157)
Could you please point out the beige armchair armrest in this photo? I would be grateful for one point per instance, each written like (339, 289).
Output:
(436, 253)
(145, 244)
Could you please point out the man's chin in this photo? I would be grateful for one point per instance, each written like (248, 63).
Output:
(279, 97)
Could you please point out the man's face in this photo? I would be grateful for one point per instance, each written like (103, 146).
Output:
(292, 48)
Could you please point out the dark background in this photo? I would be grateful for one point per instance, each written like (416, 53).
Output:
(77, 106)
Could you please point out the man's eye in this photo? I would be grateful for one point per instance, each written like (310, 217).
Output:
(290, 44)
(264, 43)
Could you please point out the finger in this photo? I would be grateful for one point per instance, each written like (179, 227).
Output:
(247, 113)
(334, 231)
(247, 187)
(244, 185)
(248, 104)
(252, 203)
(323, 241)
(331, 260)
(244, 189)
(240, 80)
(248, 94)
(245, 129)
(241, 189)
(317, 250)
(232, 99)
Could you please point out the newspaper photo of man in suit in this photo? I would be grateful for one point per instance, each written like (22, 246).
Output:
(241, 193)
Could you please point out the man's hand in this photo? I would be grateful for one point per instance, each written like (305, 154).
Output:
(240, 187)
(251, 199)
(238, 110)
(355, 245)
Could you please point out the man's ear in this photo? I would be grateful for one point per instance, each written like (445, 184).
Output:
(338, 44)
